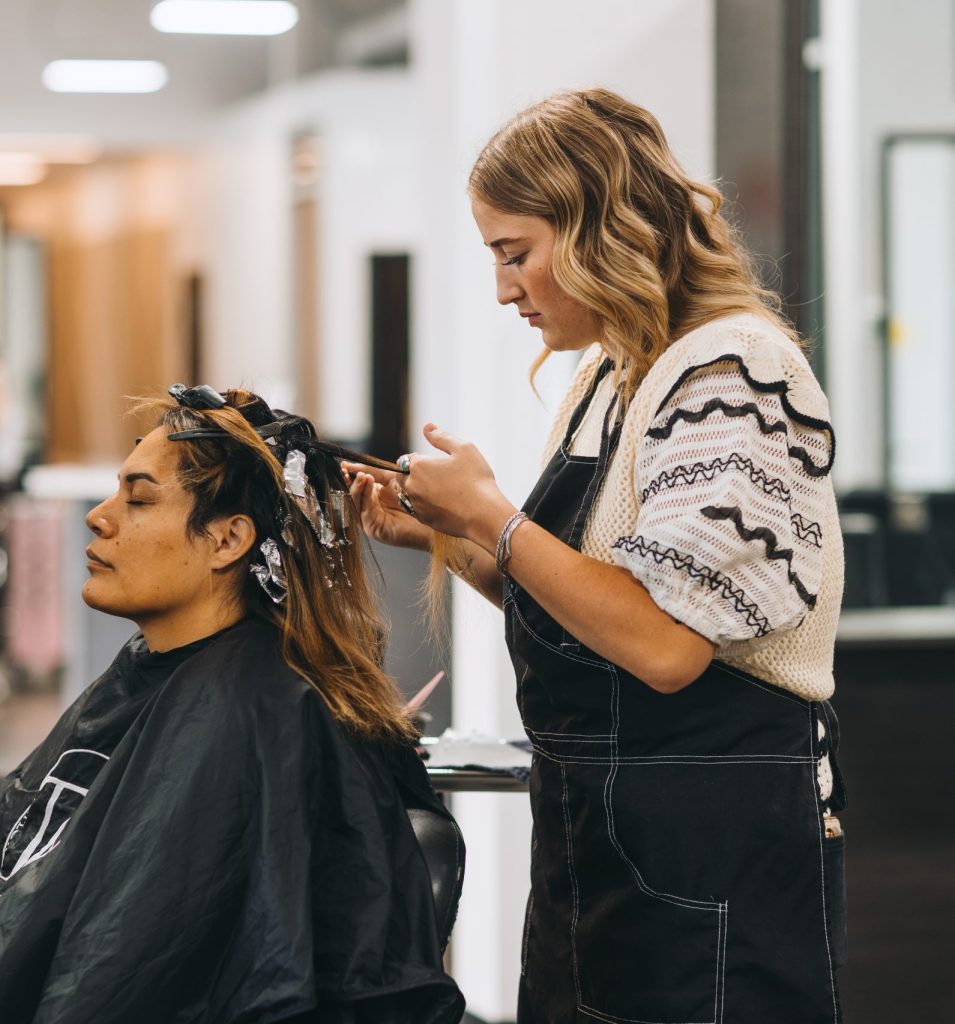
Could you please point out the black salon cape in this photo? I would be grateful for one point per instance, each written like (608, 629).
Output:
(197, 840)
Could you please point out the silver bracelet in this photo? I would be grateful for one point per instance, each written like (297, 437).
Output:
(503, 553)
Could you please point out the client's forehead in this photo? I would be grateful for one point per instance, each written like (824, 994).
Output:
(155, 456)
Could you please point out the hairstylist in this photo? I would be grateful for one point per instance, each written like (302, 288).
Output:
(670, 587)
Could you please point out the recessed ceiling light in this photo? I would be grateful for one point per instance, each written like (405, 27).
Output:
(105, 76)
(21, 169)
(225, 17)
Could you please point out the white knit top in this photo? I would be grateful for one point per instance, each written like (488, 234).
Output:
(719, 498)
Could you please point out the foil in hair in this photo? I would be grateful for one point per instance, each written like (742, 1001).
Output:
(340, 511)
(300, 490)
(271, 574)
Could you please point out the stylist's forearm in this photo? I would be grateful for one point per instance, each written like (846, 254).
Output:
(483, 575)
(602, 605)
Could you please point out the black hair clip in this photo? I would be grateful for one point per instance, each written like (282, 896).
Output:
(200, 397)
(195, 432)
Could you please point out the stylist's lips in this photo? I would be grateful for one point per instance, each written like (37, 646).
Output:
(532, 318)
(95, 562)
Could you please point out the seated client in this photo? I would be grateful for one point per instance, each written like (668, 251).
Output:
(217, 829)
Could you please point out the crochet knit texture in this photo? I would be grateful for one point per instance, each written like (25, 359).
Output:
(719, 498)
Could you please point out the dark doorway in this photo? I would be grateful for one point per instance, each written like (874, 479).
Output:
(390, 328)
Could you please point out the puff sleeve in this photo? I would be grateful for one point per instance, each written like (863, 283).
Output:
(731, 483)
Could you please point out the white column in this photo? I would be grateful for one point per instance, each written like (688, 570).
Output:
(853, 375)
(243, 195)
(475, 65)
(465, 379)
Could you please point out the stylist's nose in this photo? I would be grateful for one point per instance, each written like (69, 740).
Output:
(99, 521)
(508, 290)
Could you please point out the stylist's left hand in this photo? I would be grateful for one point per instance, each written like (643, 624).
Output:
(455, 492)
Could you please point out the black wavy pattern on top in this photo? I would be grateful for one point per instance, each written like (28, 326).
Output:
(773, 550)
(708, 470)
(704, 574)
(807, 530)
(734, 411)
(778, 387)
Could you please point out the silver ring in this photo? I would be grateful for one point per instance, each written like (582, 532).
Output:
(404, 463)
(405, 502)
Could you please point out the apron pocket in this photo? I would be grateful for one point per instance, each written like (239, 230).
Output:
(644, 958)
(640, 953)
(834, 860)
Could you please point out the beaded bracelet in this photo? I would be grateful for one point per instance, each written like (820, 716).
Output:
(503, 553)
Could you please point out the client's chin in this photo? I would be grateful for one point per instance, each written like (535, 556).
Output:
(93, 596)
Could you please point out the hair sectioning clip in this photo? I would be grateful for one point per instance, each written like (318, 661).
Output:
(200, 397)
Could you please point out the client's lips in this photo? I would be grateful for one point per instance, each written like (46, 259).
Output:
(93, 557)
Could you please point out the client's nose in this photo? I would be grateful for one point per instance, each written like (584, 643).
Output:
(98, 520)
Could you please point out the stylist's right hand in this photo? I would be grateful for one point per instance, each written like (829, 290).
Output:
(455, 492)
(375, 494)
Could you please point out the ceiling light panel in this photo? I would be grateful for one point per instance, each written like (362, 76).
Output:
(21, 169)
(225, 17)
(105, 76)
(53, 148)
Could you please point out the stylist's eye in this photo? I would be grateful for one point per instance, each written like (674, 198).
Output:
(514, 261)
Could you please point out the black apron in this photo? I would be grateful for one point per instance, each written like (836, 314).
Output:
(679, 870)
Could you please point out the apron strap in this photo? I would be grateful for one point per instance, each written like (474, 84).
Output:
(606, 365)
(609, 439)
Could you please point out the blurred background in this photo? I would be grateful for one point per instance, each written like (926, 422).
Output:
(287, 211)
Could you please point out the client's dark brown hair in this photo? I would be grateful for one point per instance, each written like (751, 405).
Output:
(332, 632)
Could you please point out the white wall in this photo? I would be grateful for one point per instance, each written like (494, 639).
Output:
(477, 64)
(242, 203)
(243, 245)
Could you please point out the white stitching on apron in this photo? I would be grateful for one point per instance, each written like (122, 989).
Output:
(573, 881)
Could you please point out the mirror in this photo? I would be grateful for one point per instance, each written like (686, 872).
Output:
(919, 268)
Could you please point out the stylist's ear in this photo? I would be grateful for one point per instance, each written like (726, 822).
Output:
(232, 537)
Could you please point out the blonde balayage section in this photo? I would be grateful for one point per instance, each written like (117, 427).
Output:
(332, 636)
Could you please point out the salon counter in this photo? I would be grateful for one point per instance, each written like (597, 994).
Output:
(472, 780)
(932, 626)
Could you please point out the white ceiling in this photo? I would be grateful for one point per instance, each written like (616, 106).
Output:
(207, 73)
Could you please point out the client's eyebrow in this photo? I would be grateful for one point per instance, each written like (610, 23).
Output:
(498, 242)
(131, 478)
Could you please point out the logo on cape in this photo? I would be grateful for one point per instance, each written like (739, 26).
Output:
(37, 831)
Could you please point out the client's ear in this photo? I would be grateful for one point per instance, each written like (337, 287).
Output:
(232, 537)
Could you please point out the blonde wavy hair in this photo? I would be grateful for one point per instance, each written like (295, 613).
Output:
(639, 243)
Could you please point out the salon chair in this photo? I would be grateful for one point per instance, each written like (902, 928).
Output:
(443, 848)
